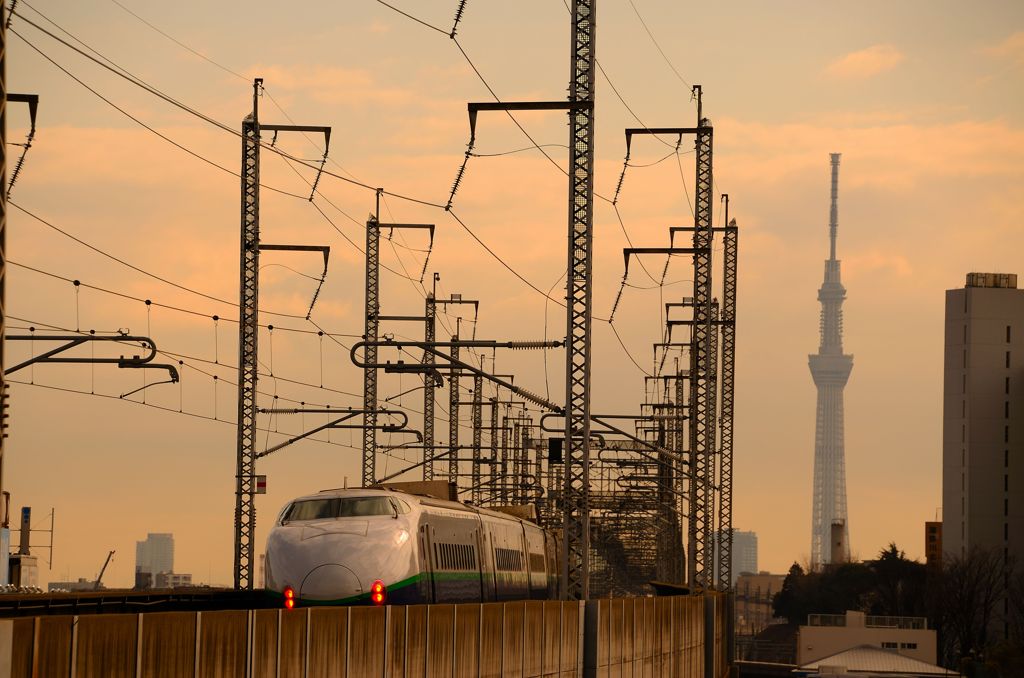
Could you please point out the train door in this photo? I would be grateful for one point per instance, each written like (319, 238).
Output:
(484, 562)
(428, 565)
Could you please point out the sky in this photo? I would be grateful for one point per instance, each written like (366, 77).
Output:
(923, 98)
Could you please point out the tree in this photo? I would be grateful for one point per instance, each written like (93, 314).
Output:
(900, 584)
(963, 602)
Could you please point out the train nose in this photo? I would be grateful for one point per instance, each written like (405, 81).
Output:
(330, 582)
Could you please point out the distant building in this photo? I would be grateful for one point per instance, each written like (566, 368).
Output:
(171, 580)
(828, 634)
(82, 584)
(983, 420)
(24, 570)
(155, 554)
(753, 601)
(933, 544)
(744, 554)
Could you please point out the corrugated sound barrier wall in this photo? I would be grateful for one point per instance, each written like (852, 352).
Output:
(636, 637)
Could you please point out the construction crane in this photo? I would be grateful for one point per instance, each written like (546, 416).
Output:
(99, 578)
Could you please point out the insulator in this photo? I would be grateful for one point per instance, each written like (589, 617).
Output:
(527, 345)
(622, 177)
(458, 17)
(458, 177)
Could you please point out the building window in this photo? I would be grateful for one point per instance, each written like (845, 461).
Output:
(1007, 386)
(908, 646)
(1006, 507)
(1006, 531)
(1006, 434)
(1007, 334)
(965, 358)
(1006, 410)
(963, 386)
(1007, 360)
(963, 409)
(890, 646)
(1006, 459)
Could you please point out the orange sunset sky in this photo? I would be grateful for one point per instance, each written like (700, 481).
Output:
(922, 97)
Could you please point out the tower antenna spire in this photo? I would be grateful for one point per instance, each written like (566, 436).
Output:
(833, 214)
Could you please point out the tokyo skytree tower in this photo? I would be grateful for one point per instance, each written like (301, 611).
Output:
(830, 367)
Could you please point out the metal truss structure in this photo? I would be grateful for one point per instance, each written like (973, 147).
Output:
(702, 415)
(248, 331)
(371, 327)
(576, 498)
(248, 335)
(727, 386)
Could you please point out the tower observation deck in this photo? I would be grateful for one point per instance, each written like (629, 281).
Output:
(830, 368)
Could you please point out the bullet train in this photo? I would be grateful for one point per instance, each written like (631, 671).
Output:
(380, 546)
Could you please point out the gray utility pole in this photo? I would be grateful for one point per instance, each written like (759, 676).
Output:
(576, 569)
(702, 419)
(703, 359)
(370, 335)
(453, 411)
(33, 101)
(580, 104)
(430, 375)
(727, 386)
(429, 381)
(478, 423)
(248, 333)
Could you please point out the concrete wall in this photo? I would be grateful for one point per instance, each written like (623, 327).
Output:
(620, 637)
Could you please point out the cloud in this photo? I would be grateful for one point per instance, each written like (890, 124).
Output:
(1011, 49)
(865, 63)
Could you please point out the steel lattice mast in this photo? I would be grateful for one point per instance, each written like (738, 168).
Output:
(430, 323)
(370, 334)
(830, 368)
(453, 415)
(3, 228)
(576, 571)
(730, 252)
(248, 334)
(478, 423)
(702, 420)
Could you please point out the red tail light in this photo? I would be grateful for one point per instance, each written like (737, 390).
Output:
(289, 597)
(378, 592)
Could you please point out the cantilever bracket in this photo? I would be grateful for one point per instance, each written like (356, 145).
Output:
(326, 250)
(475, 107)
(33, 105)
(73, 340)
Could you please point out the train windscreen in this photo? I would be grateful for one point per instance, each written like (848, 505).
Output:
(342, 507)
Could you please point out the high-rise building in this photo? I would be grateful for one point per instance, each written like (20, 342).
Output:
(154, 555)
(830, 368)
(983, 417)
(744, 553)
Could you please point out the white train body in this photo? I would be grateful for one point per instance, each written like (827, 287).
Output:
(331, 547)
